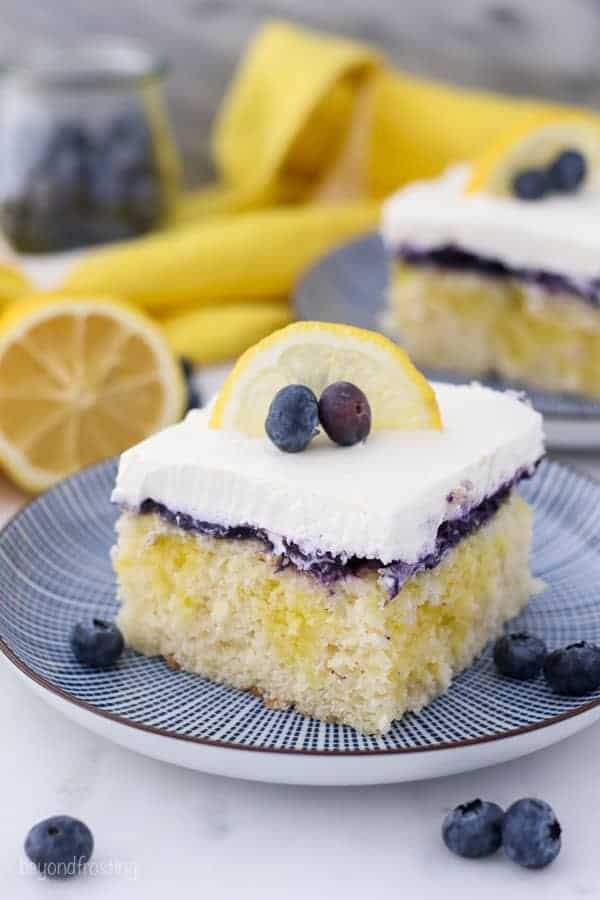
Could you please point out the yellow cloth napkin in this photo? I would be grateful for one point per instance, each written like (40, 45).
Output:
(251, 256)
(420, 127)
(309, 121)
(284, 119)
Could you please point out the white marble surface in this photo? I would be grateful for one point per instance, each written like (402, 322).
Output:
(176, 833)
(159, 829)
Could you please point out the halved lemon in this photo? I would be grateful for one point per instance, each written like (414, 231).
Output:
(80, 380)
(534, 144)
(317, 354)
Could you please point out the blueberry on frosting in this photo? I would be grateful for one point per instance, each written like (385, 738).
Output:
(293, 418)
(294, 414)
(564, 175)
(567, 172)
(345, 413)
(531, 184)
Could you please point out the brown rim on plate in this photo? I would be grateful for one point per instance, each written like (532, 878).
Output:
(40, 680)
(230, 745)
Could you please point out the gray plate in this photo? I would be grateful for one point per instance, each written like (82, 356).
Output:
(55, 570)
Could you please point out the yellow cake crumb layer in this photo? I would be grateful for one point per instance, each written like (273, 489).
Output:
(476, 325)
(344, 654)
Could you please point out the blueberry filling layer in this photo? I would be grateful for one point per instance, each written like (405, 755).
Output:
(329, 568)
(453, 258)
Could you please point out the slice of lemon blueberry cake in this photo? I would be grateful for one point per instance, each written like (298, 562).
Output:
(333, 533)
(496, 263)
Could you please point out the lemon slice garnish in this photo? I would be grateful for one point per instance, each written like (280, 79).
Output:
(317, 354)
(80, 380)
(534, 144)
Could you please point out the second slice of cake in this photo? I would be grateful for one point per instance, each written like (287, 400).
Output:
(353, 582)
(496, 266)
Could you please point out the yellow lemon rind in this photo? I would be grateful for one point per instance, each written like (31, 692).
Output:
(324, 333)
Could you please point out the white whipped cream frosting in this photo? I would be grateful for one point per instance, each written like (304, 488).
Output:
(558, 234)
(383, 499)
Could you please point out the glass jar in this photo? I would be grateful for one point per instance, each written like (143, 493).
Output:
(86, 153)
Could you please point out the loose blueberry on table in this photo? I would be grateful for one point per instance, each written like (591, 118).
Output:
(574, 670)
(59, 846)
(473, 829)
(519, 655)
(97, 643)
(531, 833)
(528, 831)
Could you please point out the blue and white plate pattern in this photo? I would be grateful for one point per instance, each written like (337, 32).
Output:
(349, 285)
(55, 570)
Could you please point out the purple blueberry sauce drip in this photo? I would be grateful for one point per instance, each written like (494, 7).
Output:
(325, 566)
(449, 534)
(328, 567)
(451, 257)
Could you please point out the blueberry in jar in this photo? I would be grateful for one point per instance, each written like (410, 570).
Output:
(84, 185)
(65, 166)
(107, 190)
(127, 178)
(69, 136)
(45, 212)
(143, 201)
(128, 144)
(35, 220)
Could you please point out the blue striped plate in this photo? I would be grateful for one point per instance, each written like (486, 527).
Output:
(55, 569)
(349, 285)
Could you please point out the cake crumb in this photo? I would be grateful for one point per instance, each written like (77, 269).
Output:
(172, 662)
(270, 702)
(274, 703)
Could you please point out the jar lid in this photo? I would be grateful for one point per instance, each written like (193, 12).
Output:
(101, 64)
